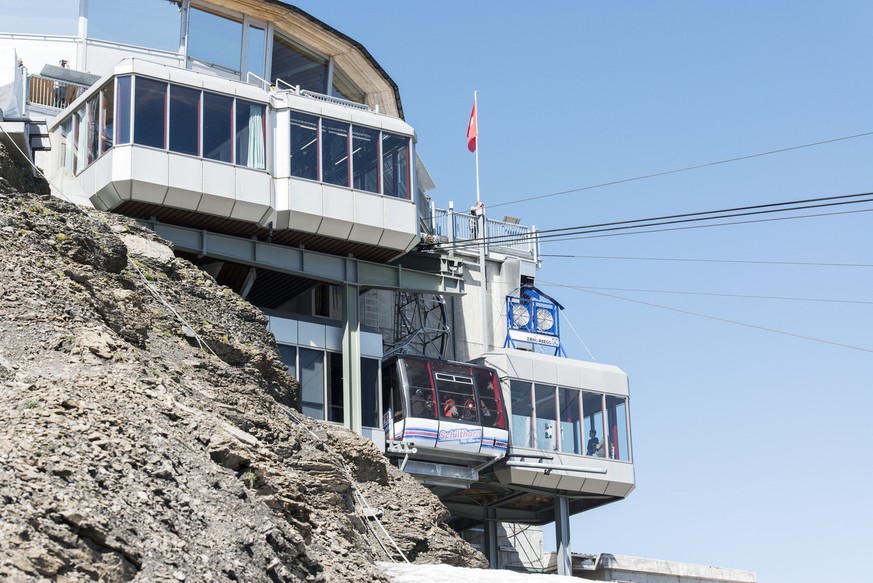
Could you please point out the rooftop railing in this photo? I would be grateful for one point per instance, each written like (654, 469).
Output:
(460, 231)
(282, 85)
(52, 93)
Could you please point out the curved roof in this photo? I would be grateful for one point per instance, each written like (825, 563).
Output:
(351, 56)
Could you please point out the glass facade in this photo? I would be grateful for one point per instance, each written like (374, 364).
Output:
(321, 150)
(297, 66)
(320, 374)
(562, 419)
(214, 39)
(167, 116)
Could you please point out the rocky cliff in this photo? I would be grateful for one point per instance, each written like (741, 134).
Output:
(149, 429)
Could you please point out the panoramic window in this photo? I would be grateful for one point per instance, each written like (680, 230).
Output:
(134, 22)
(297, 66)
(214, 39)
(335, 152)
(256, 39)
(370, 393)
(250, 135)
(122, 111)
(365, 159)
(395, 165)
(107, 117)
(217, 127)
(335, 387)
(184, 120)
(342, 87)
(522, 413)
(545, 416)
(592, 408)
(311, 379)
(569, 421)
(148, 115)
(616, 415)
(304, 146)
(93, 132)
(321, 142)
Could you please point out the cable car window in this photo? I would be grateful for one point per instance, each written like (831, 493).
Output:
(421, 391)
(456, 397)
(490, 402)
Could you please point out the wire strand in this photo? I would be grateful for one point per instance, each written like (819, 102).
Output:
(684, 169)
(728, 321)
(694, 260)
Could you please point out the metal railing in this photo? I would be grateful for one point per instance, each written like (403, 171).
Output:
(448, 226)
(284, 86)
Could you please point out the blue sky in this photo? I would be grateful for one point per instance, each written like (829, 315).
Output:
(751, 447)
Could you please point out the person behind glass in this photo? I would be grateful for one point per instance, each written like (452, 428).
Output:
(419, 405)
(61, 89)
(450, 410)
(594, 445)
(469, 411)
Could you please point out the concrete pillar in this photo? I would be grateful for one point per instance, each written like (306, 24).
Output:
(82, 34)
(351, 359)
(562, 535)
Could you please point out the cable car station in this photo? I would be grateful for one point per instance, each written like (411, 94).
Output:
(277, 158)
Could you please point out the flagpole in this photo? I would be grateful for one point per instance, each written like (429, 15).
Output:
(476, 109)
(483, 251)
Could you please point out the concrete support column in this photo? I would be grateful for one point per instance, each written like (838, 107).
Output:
(562, 535)
(490, 545)
(351, 359)
(82, 34)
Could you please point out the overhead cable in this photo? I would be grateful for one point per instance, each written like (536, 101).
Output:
(701, 260)
(726, 320)
(678, 170)
(768, 208)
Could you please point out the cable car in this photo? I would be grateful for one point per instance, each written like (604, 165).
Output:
(450, 412)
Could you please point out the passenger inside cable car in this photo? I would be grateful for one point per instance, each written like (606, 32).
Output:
(442, 405)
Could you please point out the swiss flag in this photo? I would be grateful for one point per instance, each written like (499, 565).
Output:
(472, 130)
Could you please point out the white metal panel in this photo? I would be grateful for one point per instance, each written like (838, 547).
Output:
(333, 338)
(311, 335)
(545, 372)
(253, 194)
(568, 373)
(186, 180)
(395, 125)
(281, 142)
(150, 173)
(102, 169)
(591, 378)
(305, 206)
(122, 161)
(368, 217)
(371, 345)
(284, 329)
(338, 211)
(218, 188)
(615, 382)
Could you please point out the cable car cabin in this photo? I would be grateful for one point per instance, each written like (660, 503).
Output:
(448, 412)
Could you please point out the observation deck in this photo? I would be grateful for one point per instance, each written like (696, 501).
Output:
(155, 141)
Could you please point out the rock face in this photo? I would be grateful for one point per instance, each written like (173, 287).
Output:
(149, 429)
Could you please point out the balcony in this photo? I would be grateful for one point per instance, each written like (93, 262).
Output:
(458, 231)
